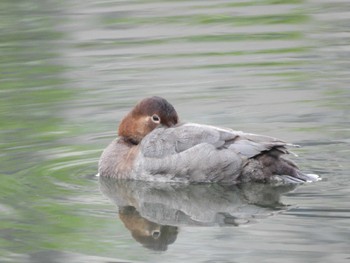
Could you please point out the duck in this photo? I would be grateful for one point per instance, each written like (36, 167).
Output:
(153, 145)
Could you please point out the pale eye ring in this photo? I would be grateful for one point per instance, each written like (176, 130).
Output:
(156, 234)
(155, 118)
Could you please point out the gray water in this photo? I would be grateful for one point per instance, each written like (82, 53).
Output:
(70, 70)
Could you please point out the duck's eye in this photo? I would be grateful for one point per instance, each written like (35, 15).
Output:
(155, 118)
(155, 234)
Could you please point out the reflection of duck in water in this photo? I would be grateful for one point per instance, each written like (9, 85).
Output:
(152, 145)
(153, 211)
(148, 233)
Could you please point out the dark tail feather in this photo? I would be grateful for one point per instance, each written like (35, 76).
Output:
(286, 169)
(291, 173)
(308, 177)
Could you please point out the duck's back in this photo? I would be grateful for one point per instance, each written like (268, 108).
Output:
(201, 153)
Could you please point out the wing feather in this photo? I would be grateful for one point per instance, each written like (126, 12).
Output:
(168, 141)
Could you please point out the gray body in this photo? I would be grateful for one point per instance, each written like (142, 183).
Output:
(198, 153)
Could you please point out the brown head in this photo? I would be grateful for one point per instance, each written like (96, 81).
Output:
(147, 115)
(151, 235)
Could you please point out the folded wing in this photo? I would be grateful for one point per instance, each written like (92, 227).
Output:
(169, 141)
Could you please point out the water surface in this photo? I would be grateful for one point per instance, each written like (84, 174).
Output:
(70, 70)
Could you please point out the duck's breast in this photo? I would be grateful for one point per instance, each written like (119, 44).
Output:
(118, 159)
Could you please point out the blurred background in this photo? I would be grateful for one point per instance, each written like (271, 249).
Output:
(70, 70)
